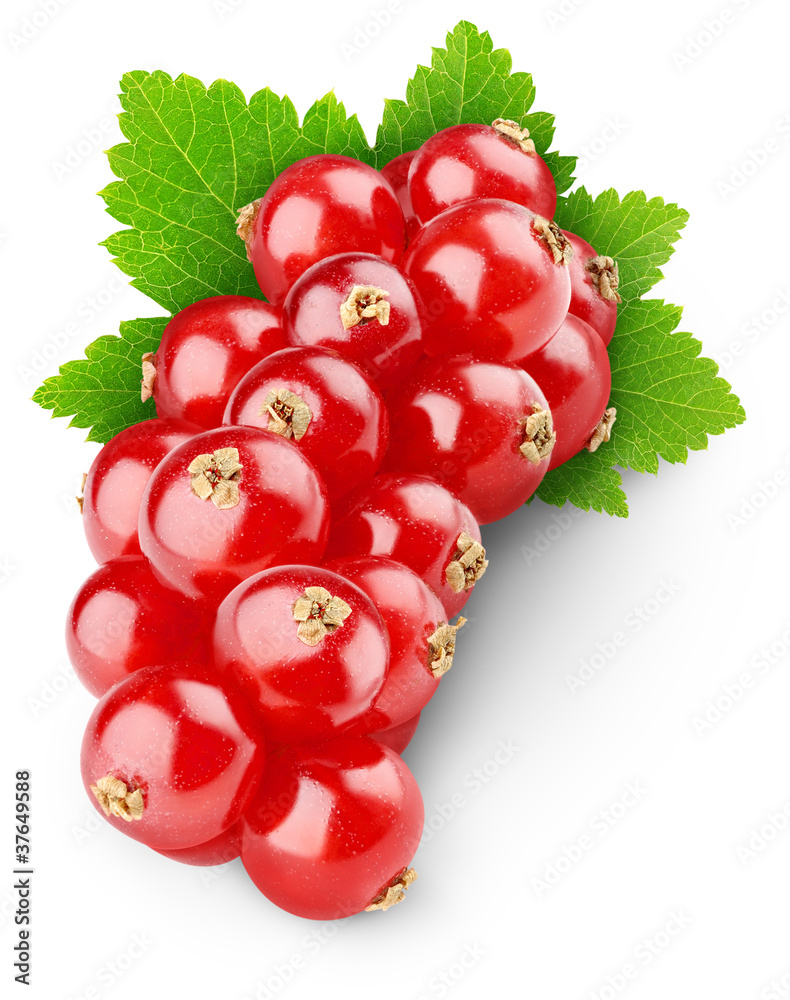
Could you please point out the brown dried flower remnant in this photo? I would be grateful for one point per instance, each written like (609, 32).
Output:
(216, 477)
(605, 274)
(513, 131)
(289, 415)
(117, 799)
(603, 432)
(148, 382)
(394, 892)
(539, 436)
(246, 222)
(441, 647)
(468, 564)
(559, 246)
(318, 614)
(363, 303)
(81, 498)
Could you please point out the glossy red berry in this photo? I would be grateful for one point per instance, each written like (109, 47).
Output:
(205, 350)
(116, 482)
(421, 643)
(481, 429)
(230, 503)
(417, 522)
(123, 619)
(333, 828)
(594, 282)
(396, 173)
(171, 757)
(573, 370)
(399, 737)
(466, 162)
(326, 405)
(307, 647)
(493, 278)
(217, 851)
(319, 206)
(363, 308)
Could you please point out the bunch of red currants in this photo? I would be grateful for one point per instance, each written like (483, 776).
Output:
(283, 549)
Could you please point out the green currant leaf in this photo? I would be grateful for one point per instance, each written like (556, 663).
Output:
(639, 233)
(102, 390)
(668, 400)
(195, 155)
(469, 81)
(588, 482)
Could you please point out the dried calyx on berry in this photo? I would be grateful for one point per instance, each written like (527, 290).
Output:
(394, 892)
(518, 136)
(441, 647)
(603, 432)
(605, 274)
(365, 302)
(246, 222)
(81, 498)
(216, 477)
(318, 614)
(148, 383)
(539, 436)
(557, 243)
(289, 415)
(468, 564)
(117, 799)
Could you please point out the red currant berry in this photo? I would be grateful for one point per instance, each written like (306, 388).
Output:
(362, 307)
(229, 503)
(320, 206)
(421, 641)
(123, 619)
(419, 523)
(325, 405)
(116, 482)
(333, 828)
(217, 851)
(481, 429)
(308, 648)
(466, 162)
(594, 281)
(493, 279)
(396, 173)
(399, 737)
(573, 370)
(205, 350)
(172, 756)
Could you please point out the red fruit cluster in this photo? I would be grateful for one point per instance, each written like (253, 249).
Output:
(283, 548)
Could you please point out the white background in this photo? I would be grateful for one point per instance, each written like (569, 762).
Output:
(696, 594)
